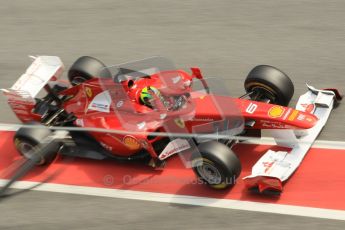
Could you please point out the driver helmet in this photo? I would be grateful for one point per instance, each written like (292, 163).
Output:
(146, 95)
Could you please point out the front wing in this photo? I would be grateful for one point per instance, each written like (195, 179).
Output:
(275, 167)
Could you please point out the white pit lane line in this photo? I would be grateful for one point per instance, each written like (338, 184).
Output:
(187, 200)
(193, 200)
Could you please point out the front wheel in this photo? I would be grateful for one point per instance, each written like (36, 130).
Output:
(271, 83)
(216, 165)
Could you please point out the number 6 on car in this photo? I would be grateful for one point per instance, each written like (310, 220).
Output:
(251, 108)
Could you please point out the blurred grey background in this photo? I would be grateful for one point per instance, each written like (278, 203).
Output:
(225, 38)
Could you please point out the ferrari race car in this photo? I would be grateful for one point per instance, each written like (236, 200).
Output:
(149, 111)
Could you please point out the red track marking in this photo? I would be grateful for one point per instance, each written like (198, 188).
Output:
(319, 182)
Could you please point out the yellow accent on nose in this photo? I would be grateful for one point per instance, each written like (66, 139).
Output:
(293, 115)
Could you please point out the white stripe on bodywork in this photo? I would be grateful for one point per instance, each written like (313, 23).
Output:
(101, 102)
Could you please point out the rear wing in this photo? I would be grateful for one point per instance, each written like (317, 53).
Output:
(21, 96)
(39, 73)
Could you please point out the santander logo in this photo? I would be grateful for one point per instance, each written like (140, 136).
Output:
(309, 108)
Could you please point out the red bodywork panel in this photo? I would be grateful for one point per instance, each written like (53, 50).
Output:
(200, 109)
(266, 116)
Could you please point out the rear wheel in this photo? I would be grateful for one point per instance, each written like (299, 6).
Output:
(216, 165)
(27, 141)
(86, 68)
(269, 83)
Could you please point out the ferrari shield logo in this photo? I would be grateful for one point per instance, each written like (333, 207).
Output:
(88, 92)
(179, 122)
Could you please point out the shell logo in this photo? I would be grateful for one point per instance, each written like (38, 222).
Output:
(276, 111)
(131, 143)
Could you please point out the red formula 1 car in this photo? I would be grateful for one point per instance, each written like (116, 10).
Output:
(150, 111)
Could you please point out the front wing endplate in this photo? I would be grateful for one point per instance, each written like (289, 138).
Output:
(275, 167)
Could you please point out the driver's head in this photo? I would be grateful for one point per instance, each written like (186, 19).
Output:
(146, 95)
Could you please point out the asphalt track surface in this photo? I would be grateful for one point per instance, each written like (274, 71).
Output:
(224, 38)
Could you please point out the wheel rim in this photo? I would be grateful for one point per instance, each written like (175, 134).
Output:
(209, 173)
(27, 150)
(266, 92)
(78, 80)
